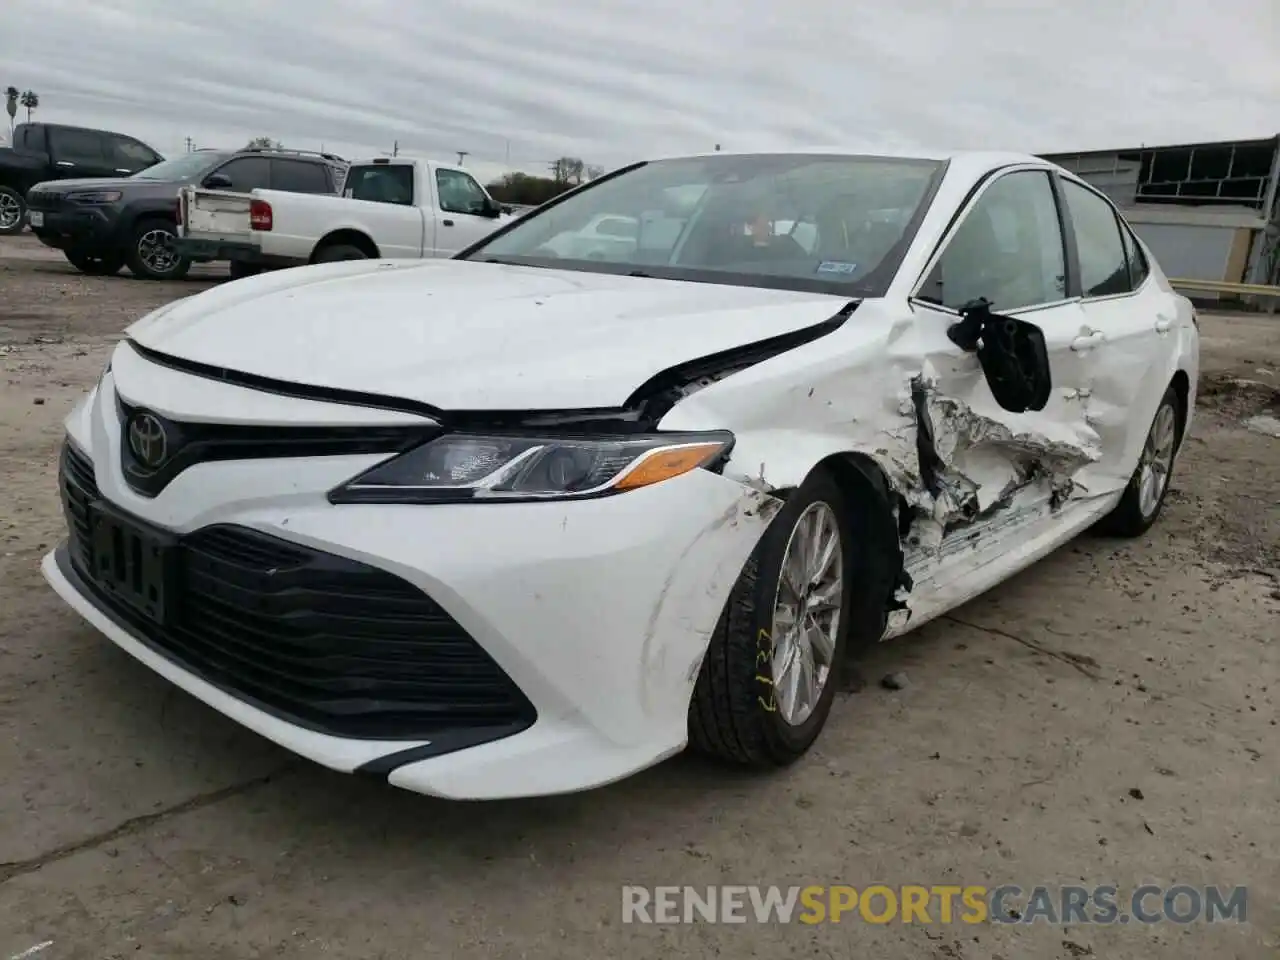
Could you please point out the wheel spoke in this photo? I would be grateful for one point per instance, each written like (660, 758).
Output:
(821, 642)
(826, 597)
(808, 681)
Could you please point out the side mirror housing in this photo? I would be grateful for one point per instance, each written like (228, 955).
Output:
(217, 181)
(1013, 354)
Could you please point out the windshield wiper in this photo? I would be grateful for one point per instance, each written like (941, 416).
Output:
(640, 273)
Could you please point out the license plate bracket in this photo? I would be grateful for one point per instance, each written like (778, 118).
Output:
(132, 563)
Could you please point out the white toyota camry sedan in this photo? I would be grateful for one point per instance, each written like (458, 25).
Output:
(512, 523)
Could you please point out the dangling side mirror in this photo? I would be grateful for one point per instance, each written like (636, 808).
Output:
(1013, 354)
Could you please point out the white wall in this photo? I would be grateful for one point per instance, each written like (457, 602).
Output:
(1190, 252)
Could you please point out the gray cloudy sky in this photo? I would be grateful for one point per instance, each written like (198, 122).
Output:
(614, 80)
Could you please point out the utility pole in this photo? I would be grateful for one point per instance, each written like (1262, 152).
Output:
(191, 145)
(395, 149)
(462, 155)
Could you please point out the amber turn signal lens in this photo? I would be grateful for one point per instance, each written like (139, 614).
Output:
(667, 463)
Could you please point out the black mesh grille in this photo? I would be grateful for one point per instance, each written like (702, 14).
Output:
(320, 640)
(44, 200)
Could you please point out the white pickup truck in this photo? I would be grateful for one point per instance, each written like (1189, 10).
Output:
(390, 207)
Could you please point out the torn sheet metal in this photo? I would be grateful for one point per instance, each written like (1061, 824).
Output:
(896, 391)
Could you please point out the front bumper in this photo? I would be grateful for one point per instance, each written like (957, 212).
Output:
(196, 248)
(597, 611)
(78, 227)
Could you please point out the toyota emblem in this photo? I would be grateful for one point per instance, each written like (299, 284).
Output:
(148, 440)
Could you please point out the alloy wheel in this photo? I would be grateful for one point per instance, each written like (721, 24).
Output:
(10, 211)
(806, 614)
(155, 251)
(1156, 460)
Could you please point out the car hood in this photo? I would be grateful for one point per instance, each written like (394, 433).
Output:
(459, 335)
(123, 184)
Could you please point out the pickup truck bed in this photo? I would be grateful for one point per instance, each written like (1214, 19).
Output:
(214, 225)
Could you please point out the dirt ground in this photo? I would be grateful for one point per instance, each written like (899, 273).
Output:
(1108, 716)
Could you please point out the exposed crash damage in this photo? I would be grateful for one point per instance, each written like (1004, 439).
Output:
(973, 466)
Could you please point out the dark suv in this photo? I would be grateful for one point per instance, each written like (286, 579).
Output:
(52, 151)
(102, 225)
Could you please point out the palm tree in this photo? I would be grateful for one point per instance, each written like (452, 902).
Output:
(30, 99)
(11, 105)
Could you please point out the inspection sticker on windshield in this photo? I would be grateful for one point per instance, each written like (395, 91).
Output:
(837, 266)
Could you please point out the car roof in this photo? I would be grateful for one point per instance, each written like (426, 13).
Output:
(962, 161)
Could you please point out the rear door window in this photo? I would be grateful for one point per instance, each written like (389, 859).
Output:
(380, 183)
(1104, 269)
(298, 176)
(77, 146)
(246, 173)
(1138, 267)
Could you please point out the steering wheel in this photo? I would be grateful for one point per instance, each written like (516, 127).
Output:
(545, 251)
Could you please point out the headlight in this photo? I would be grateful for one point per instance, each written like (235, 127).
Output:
(459, 467)
(94, 196)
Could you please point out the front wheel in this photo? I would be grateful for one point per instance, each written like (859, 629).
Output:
(93, 266)
(1144, 497)
(769, 675)
(239, 269)
(337, 252)
(13, 212)
(151, 256)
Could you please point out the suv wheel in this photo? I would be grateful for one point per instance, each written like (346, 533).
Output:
(150, 255)
(94, 266)
(13, 212)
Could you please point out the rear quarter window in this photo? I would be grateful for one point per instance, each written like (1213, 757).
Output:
(379, 183)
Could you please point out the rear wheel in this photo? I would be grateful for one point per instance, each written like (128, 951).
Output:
(1144, 497)
(769, 675)
(94, 266)
(339, 251)
(239, 269)
(13, 212)
(150, 254)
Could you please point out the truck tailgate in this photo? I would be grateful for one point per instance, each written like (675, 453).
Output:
(214, 215)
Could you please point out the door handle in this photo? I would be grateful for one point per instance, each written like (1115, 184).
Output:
(447, 223)
(1087, 343)
(1163, 324)
(65, 163)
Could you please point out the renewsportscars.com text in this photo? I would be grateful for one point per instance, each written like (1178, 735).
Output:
(936, 904)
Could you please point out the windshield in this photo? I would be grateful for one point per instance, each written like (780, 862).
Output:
(831, 224)
(186, 167)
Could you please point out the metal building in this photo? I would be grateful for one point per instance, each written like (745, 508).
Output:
(1208, 211)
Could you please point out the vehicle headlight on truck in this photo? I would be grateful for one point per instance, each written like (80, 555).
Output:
(471, 467)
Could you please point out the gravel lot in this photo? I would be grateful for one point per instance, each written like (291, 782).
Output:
(1109, 716)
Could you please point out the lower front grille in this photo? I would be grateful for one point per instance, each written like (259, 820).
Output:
(44, 201)
(317, 639)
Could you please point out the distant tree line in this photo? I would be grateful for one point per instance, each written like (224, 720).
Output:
(525, 188)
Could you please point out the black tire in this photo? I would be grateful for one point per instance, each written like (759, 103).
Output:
(141, 257)
(733, 714)
(1129, 519)
(94, 266)
(12, 204)
(239, 269)
(335, 252)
